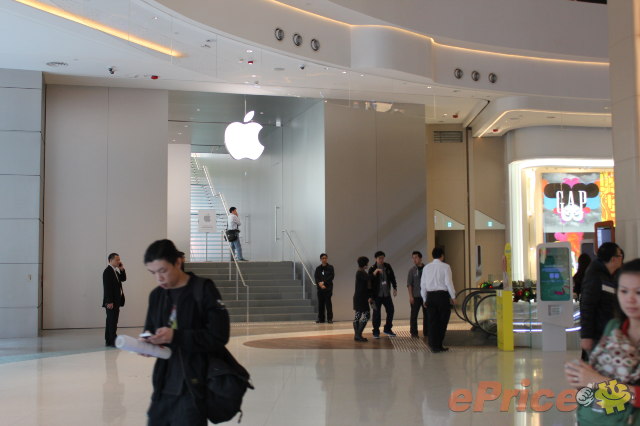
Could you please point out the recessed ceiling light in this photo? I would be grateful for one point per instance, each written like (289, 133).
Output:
(344, 72)
(198, 109)
(179, 133)
(246, 82)
(249, 51)
(606, 107)
(253, 75)
(444, 115)
(361, 75)
(57, 64)
(186, 125)
(173, 140)
(428, 87)
(155, 18)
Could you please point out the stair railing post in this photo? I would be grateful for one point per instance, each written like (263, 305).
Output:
(304, 294)
(247, 303)
(237, 295)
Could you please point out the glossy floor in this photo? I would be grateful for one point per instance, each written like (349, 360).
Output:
(67, 378)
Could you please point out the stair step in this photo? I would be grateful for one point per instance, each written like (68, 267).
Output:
(272, 310)
(258, 283)
(262, 296)
(274, 317)
(284, 303)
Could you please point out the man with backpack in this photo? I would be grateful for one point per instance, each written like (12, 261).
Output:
(186, 314)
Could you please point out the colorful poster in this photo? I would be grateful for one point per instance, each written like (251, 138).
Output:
(571, 202)
(555, 274)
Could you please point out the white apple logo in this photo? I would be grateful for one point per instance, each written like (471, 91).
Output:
(241, 139)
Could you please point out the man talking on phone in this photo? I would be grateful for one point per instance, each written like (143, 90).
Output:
(112, 278)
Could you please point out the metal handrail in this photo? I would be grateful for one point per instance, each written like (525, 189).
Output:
(304, 266)
(233, 256)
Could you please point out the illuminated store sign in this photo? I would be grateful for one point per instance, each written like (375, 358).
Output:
(241, 139)
(571, 201)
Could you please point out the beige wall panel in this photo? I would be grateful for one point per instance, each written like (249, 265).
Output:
(106, 190)
(490, 178)
(375, 194)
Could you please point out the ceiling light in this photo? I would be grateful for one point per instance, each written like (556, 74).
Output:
(253, 75)
(249, 51)
(57, 64)
(344, 72)
(100, 27)
(179, 133)
(186, 125)
(198, 109)
(428, 87)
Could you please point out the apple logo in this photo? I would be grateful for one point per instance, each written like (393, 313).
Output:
(241, 139)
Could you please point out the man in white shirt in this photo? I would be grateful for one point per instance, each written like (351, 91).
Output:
(233, 224)
(436, 289)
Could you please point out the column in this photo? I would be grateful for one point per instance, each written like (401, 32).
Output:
(21, 147)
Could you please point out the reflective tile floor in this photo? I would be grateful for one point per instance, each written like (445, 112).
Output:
(68, 378)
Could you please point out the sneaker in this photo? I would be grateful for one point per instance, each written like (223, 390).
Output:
(376, 335)
(390, 333)
(330, 322)
(319, 322)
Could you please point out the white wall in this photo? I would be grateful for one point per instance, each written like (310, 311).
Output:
(106, 191)
(21, 101)
(290, 176)
(304, 184)
(254, 187)
(558, 142)
(179, 196)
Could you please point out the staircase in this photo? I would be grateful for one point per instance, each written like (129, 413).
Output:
(273, 294)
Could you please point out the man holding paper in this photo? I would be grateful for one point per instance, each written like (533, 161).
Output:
(185, 313)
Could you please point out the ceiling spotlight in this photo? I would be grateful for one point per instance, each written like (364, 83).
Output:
(297, 39)
(279, 34)
(315, 45)
(344, 72)
(428, 87)
(475, 75)
(493, 78)
(458, 73)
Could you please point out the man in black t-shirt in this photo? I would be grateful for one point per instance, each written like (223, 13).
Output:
(415, 298)
(193, 329)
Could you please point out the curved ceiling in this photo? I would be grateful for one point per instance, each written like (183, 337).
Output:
(213, 61)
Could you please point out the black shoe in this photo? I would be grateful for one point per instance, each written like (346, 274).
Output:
(360, 339)
(319, 322)
(415, 335)
(330, 322)
(443, 349)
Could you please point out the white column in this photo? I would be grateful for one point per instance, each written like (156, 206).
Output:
(21, 144)
(624, 33)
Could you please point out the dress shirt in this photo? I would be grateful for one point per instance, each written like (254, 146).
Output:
(436, 276)
(233, 222)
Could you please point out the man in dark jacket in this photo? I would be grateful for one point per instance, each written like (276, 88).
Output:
(598, 296)
(186, 314)
(324, 280)
(382, 279)
(113, 296)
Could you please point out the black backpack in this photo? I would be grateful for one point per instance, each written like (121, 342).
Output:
(227, 379)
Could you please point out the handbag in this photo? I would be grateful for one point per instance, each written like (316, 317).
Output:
(232, 234)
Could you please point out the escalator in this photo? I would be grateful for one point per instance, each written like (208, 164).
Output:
(478, 308)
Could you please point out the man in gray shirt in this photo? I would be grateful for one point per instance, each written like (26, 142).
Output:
(415, 299)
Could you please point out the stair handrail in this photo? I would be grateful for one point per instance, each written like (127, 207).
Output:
(233, 255)
(304, 266)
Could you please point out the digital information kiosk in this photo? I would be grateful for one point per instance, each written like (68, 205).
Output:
(555, 307)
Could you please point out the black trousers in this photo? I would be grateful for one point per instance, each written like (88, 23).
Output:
(438, 313)
(413, 318)
(175, 410)
(387, 302)
(324, 303)
(111, 326)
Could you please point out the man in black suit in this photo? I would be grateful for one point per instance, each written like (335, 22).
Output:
(113, 299)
